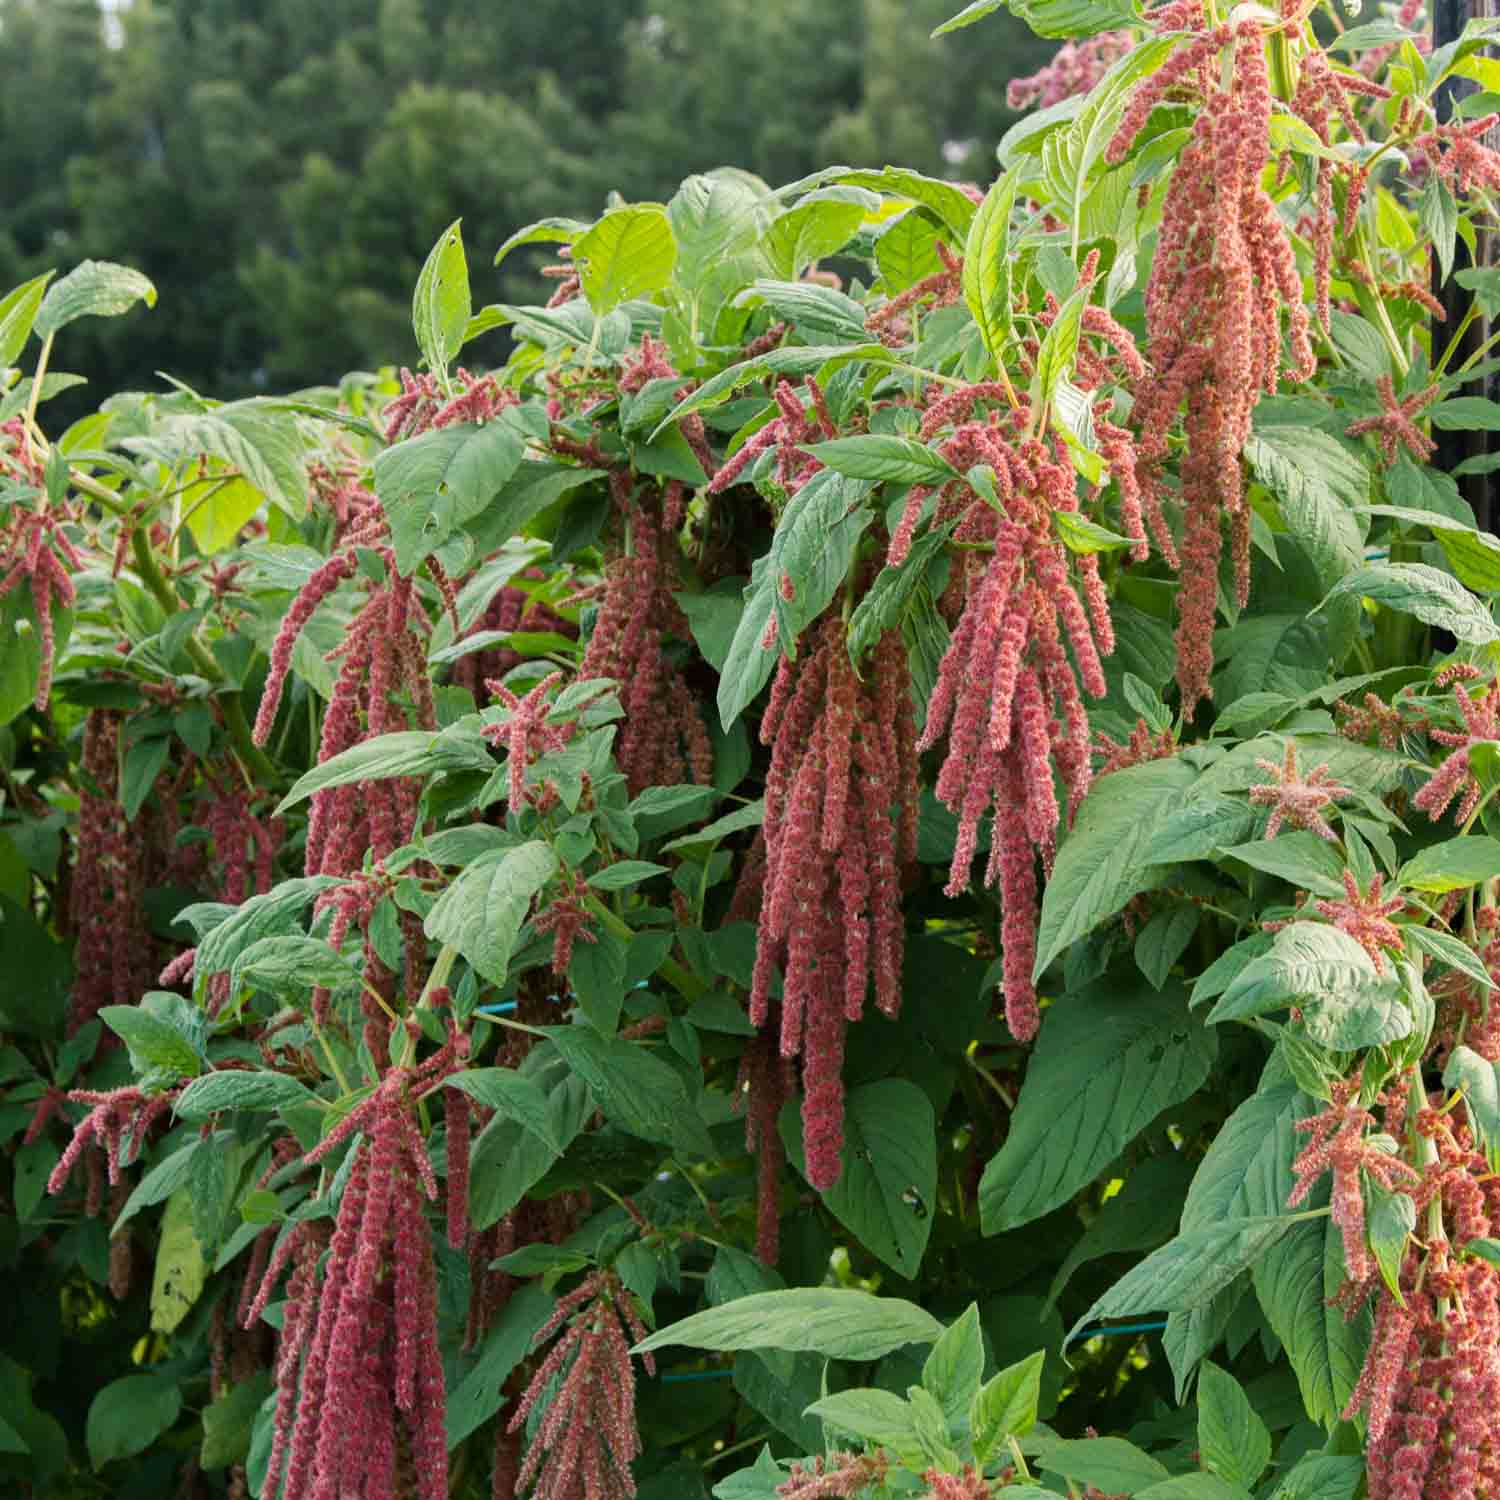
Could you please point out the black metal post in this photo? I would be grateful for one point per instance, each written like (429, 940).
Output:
(1448, 20)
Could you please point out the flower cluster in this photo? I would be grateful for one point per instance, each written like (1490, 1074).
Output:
(663, 740)
(838, 1476)
(117, 1122)
(1075, 68)
(35, 548)
(1396, 423)
(360, 1393)
(586, 1436)
(763, 1086)
(840, 823)
(1006, 692)
(1223, 272)
(114, 960)
(1295, 798)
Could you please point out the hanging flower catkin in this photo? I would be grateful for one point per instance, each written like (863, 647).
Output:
(840, 822)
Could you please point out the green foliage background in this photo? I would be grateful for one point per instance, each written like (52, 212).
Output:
(279, 168)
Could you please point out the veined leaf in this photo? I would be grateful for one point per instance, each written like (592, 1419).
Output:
(97, 288)
(17, 314)
(987, 263)
(628, 253)
(481, 913)
(440, 305)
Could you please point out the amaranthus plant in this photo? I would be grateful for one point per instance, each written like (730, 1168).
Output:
(859, 859)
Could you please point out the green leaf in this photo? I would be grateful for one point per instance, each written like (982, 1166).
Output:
(1232, 1439)
(481, 913)
(896, 591)
(39, 1007)
(1300, 858)
(96, 288)
(820, 225)
(976, 11)
(1452, 865)
(1308, 960)
(153, 1041)
(408, 752)
(818, 313)
(440, 306)
(1060, 346)
(1315, 480)
(128, 1415)
(1480, 1082)
(18, 311)
(1083, 536)
(1101, 863)
(1416, 589)
(219, 510)
(623, 874)
(290, 966)
(478, 1394)
(1296, 1283)
(1141, 1216)
(1194, 1487)
(531, 490)
(511, 1095)
(636, 1090)
(21, 650)
(1320, 1476)
(629, 253)
(952, 205)
(877, 457)
(1109, 1464)
(1006, 1405)
(507, 1160)
(874, 1416)
(986, 276)
(955, 1366)
(837, 1322)
(1108, 1061)
(888, 1180)
(549, 231)
(227, 1422)
(1162, 941)
(1187, 1272)
(213, 1092)
(1438, 215)
(429, 485)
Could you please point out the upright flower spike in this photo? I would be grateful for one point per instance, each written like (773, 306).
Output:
(1396, 423)
(1366, 918)
(1481, 720)
(1295, 798)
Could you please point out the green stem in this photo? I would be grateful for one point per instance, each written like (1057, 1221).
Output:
(229, 697)
(35, 394)
(1456, 340)
(685, 983)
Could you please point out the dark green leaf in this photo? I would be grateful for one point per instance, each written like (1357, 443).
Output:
(1232, 1439)
(481, 913)
(129, 1414)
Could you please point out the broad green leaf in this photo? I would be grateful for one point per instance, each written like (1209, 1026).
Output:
(508, 1160)
(1189, 1270)
(18, 311)
(216, 511)
(955, 1366)
(21, 649)
(1296, 1283)
(1307, 961)
(512, 1095)
(987, 264)
(180, 1271)
(887, 1186)
(1300, 858)
(896, 592)
(1101, 863)
(290, 966)
(227, 1422)
(840, 1323)
(877, 457)
(1060, 346)
(129, 1414)
(1140, 1217)
(715, 217)
(481, 913)
(629, 253)
(477, 1395)
(820, 225)
(1480, 1082)
(1232, 1439)
(1416, 589)
(523, 498)
(96, 288)
(1083, 536)
(1108, 1061)
(1006, 1405)
(440, 306)
(1319, 1476)
(213, 1092)
(1452, 865)
(432, 484)
(1315, 481)
(818, 313)
(971, 13)
(874, 1416)
(906, 251)
(225, 932)
(637, 1091)
(155, 1043)
(1194, 1487)
(408, 752)
(1109, 1464)
(1163, 940)
(549, 231)
(950, 203)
